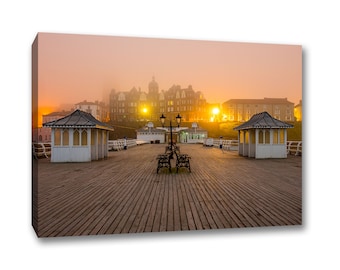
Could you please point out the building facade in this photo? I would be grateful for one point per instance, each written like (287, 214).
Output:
(241, 110)
(97, 109)
(43, 134)
(298, 111)
(137, 105)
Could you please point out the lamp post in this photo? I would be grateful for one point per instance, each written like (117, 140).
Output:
(178, 121)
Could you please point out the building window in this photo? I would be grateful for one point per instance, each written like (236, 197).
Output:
(57, 136)
(277, 110)
(282, 136)
(261, 134)
(121, 96)
(267, 137)
(252, 136)
(84, 137)
(76, 137)
(246, 135)
(93, 136)
(65, 137)
(275, 136)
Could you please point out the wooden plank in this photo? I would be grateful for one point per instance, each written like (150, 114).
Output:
(124, 194)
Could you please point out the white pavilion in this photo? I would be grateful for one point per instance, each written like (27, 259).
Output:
(263, 137)
(78, 137)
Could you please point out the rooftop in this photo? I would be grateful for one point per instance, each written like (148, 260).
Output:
(263, 120)
(260, 101)
(78, 119)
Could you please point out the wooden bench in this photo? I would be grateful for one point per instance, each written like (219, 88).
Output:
(41, 150)
(164, 162)
(182, 161)
(294, 148)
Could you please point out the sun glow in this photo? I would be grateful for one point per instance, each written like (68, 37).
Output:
(43, 111)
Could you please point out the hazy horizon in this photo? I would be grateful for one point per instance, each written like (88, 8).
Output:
(73, 68)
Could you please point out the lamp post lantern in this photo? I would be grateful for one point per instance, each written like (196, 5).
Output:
(178, 121)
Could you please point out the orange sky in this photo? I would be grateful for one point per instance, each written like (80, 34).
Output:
(73, 68)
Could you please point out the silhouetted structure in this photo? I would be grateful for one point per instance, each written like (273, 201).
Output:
(298, 111)
(137, 105)
(243, 109)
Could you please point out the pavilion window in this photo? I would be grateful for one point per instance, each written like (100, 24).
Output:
(93, 136)
(282, 136)
(261, 134)
(246, 133)
(57, 136)
(76, 137)
(252, 134)
(275, 136)
(84, 137)
(267, 137)
(99, 137)
(65, 137)
(241, 136)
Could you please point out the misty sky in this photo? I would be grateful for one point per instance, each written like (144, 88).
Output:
(73, 68)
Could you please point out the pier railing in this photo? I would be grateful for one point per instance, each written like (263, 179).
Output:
(117, 145)
(43, 150)
(229, 145)
(293, 147)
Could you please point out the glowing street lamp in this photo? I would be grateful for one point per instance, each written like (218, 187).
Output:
(144, 113)
(178, 121)
(215, 112)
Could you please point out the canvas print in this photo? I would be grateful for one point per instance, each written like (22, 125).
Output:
(149, 135)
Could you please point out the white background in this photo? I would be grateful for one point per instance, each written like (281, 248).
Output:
(314, 26)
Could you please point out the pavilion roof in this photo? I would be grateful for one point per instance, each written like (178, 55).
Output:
(78, 119)
(263, 120)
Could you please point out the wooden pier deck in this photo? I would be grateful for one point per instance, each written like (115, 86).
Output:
(124, 194)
